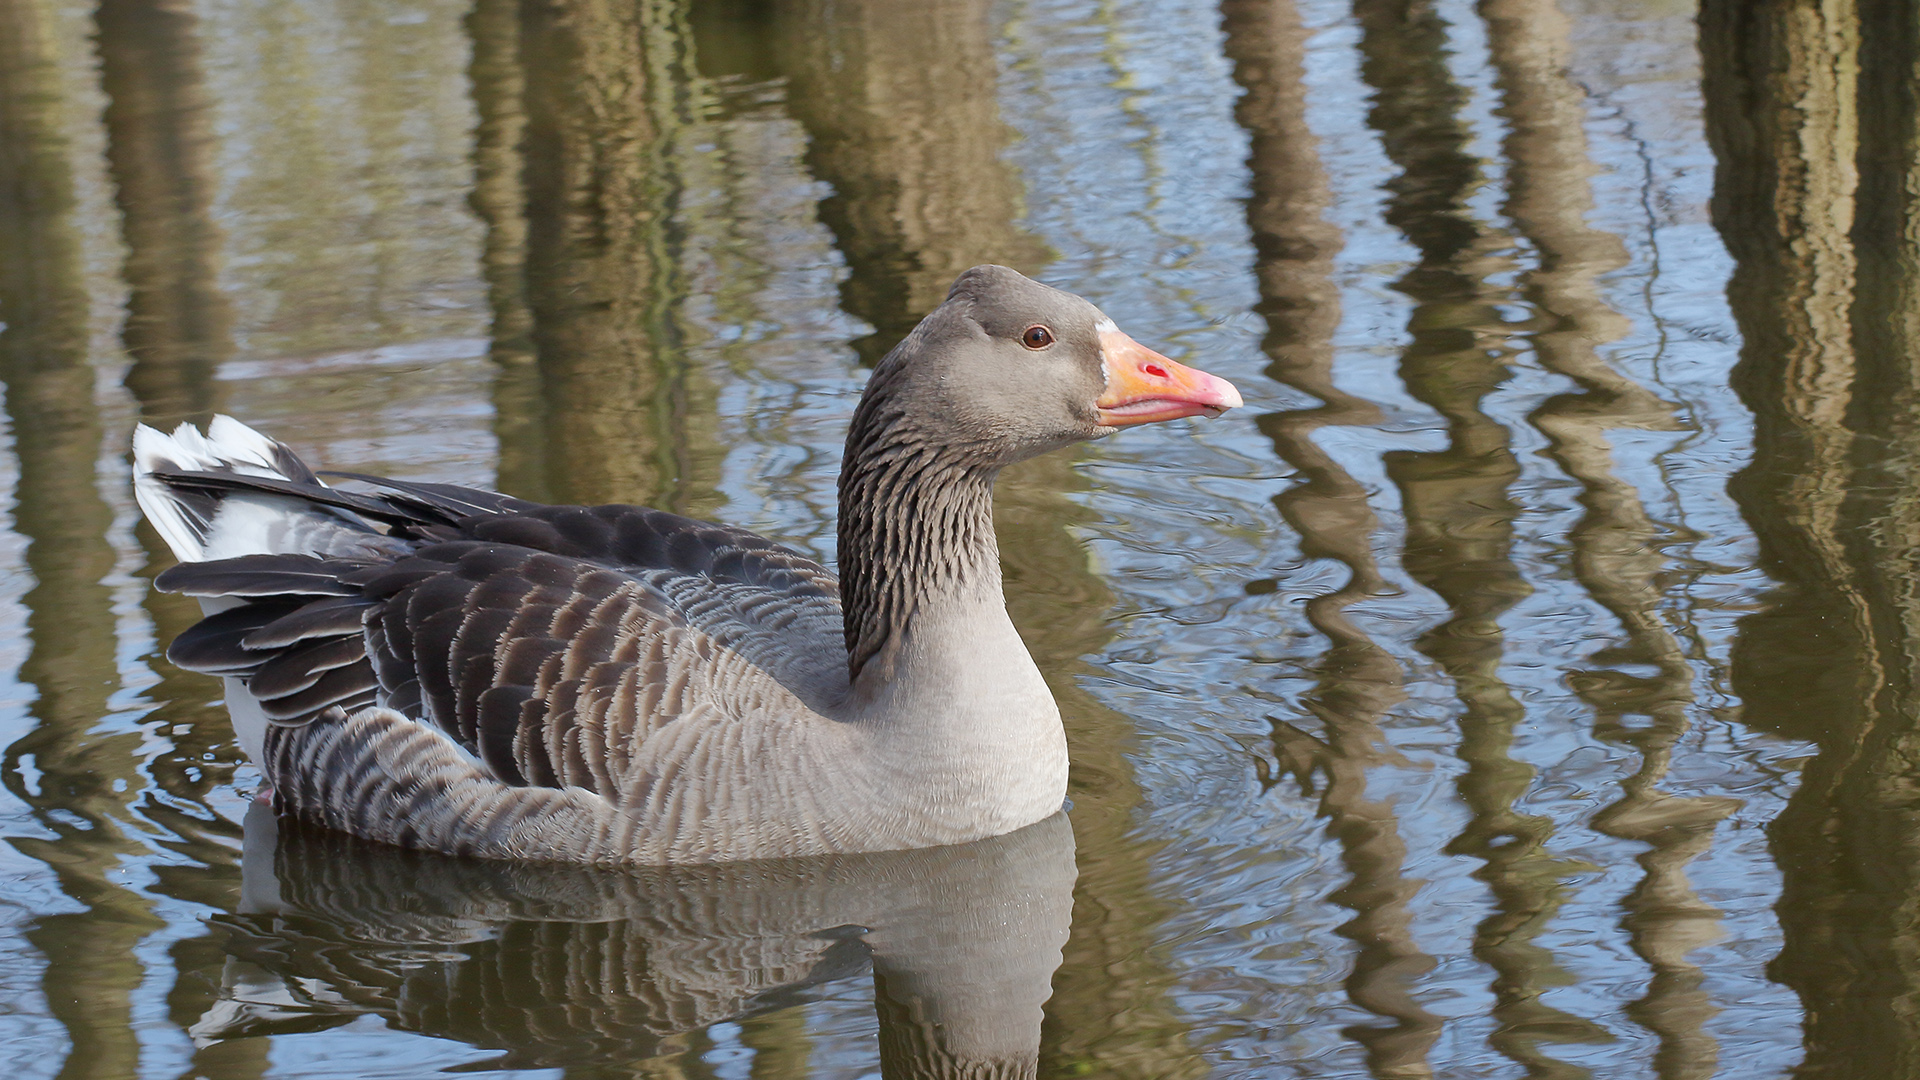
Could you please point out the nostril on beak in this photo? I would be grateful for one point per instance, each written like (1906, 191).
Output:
(1155, 370)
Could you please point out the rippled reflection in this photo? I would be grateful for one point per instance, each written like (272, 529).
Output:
(1617, 554)
(1521, 685)
(581, 968)
(79, 801)
(1827, 369)
(1358, 680)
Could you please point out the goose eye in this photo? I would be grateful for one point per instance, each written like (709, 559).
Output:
(1037, 337)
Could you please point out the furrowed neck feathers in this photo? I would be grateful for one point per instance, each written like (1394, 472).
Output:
(916, 524)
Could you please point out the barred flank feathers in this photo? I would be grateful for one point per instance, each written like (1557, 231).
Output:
(381, 776)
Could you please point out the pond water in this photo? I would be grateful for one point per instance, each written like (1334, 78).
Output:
(1522, 684)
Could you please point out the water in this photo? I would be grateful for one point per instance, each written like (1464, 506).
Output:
(1523, 684)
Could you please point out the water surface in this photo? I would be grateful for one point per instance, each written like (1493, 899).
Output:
(1523, 684)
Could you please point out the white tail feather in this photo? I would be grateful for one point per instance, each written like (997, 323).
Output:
(228, 446)
(200, 525)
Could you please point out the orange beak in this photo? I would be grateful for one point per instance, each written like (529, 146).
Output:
(1144, 387)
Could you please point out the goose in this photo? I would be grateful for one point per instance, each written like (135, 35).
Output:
(455, 670)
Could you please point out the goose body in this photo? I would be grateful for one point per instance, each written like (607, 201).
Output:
(457, 670)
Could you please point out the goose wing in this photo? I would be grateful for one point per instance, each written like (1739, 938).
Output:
(548, 642)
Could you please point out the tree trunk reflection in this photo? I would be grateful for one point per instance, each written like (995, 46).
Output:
(1810, 111)
(178, 328)
(580, 103)
(178, 323)
(899, 98)
(1616, 546)
(88, 773)
(1358, 681)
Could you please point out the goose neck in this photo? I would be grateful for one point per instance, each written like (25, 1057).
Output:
(916, 538)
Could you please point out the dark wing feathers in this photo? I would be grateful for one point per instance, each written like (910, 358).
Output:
(348, 689)
(374, 507)
(537, 637)
(320, 618)
(392, 665)
(451, 500)
(216, 644)
(258, 575)
(638, 538)
(295, 669)
(298, 643)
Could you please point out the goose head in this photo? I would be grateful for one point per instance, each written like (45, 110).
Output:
(1008, 368)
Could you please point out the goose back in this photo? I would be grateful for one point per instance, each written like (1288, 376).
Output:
(553, 644)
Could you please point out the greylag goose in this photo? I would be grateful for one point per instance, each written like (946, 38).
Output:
(455, 670)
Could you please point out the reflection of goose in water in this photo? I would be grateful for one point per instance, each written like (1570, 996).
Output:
(578, 966)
